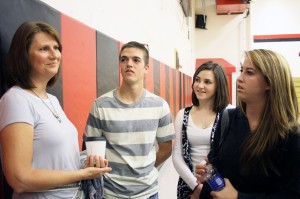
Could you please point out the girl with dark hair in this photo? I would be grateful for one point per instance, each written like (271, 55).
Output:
(194, 124)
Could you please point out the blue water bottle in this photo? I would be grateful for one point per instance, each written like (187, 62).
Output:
(213, 177)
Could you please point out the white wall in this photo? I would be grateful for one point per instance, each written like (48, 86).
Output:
(271, 17)
(227, 36)
(162, 25)
(159, 23)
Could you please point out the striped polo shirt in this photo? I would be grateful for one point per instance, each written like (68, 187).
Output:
(131, 131)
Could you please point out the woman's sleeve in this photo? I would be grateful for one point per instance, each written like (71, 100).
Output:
(15, 108)
(178, 161)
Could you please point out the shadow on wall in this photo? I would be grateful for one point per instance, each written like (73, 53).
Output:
(89, 62)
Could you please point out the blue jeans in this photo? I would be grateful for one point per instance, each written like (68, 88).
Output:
(155, 196)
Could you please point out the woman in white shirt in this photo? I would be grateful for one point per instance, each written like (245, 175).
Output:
(38, 143)
(194, 124)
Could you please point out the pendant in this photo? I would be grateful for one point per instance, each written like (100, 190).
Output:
(57, 117)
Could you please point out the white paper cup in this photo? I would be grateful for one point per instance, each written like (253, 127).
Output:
(95, 146)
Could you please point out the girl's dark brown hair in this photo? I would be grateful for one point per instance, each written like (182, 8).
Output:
(222, 93)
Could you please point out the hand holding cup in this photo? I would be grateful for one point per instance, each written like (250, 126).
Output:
(96, 146)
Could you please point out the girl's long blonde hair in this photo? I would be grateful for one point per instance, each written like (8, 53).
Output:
(280, 115)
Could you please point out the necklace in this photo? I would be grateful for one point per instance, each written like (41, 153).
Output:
(54, 113)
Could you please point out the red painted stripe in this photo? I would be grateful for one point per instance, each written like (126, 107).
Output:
(182, 91)
(162, 78)
(79, 71)
(218, 2)
(149, 83)
(171, 91)
(188, 87)
(177, 91)
(282, 36)
(227, 66)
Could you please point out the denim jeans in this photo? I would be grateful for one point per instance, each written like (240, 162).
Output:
(155, 196)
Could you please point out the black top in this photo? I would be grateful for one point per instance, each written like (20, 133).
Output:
(255, 185)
